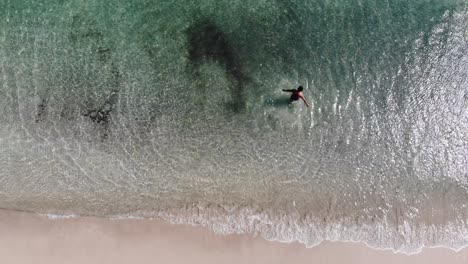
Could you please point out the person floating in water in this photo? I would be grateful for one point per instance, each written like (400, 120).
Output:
(297, 94)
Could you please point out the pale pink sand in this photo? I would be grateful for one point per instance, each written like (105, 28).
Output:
(30, 238)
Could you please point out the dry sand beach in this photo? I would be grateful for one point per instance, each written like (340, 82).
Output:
(32, 238)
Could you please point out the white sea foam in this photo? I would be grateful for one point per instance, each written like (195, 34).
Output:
(408, 237)
(60, 217)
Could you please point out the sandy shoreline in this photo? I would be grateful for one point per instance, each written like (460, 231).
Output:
(31, 238)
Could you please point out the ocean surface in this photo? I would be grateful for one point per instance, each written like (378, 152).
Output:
(174, 110)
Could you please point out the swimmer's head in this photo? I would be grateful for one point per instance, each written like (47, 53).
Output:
(300, 88)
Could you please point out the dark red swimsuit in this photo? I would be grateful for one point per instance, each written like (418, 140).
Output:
(295, 96)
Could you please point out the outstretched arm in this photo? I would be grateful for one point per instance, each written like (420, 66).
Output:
(305, 101)
(288, 90)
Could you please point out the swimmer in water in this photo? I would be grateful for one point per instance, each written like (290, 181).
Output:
(296, 95)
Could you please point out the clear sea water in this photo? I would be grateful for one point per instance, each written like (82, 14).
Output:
(174, 110)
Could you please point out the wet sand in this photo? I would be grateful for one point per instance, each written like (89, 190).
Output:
(31, 238)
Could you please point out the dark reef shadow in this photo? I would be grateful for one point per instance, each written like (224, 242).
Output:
(208, 43)
(85, 33)
(41, 113)
(102, 114)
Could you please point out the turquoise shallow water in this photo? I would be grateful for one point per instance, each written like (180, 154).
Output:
(174, 109)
